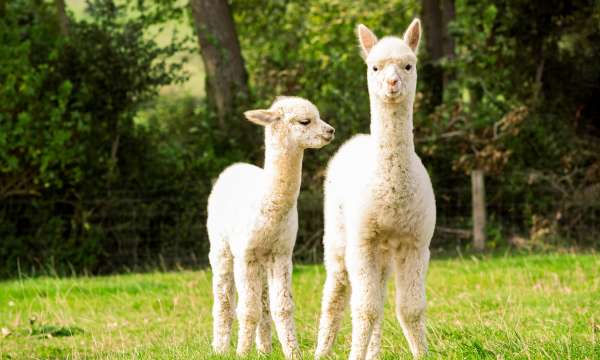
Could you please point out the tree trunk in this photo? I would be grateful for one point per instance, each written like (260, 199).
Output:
(63, 19)
(437, 14)
(432, 26)
(226, 78)
(448, 14)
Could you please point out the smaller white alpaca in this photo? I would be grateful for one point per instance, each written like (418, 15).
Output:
(252, 225)
(379, 208)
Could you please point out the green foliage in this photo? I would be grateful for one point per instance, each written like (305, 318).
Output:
(117, 69)
(309, 49)
(520, 73)
(67, 125)
(35, 131)
(97, 173)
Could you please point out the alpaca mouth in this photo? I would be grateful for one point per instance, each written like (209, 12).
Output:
(327, 138)
(393, 95)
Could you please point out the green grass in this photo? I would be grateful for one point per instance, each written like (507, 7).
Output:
(521, 307)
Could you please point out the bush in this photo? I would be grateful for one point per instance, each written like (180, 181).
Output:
(96, 173)
(68, 144)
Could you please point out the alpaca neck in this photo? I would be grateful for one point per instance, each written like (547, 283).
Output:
(392, 130)
(283, 170)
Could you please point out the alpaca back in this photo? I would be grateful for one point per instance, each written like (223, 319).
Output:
(234, 199)
(350, 169)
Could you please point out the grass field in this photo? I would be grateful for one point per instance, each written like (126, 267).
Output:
(500, 307)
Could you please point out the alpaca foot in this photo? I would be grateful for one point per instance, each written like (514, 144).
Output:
(263, 348)
(220, 347)
(372, 355)
(319, 354)
(294, 355)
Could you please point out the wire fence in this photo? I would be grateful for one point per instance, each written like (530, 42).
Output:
(131, 229)
(541, 219)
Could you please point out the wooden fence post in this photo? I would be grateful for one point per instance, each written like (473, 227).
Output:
(479, 217)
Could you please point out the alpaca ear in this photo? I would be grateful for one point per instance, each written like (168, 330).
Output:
(412, 36)
(366, 39)
(262, 117)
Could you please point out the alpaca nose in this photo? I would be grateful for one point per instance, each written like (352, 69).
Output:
(392, 82)
(331, 131)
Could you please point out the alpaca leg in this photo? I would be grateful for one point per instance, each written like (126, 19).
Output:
(364, 270)
(221, 262)
(263, 332)
(375, 343)
(282, 304)
(411, 270)
(247, 279)
(335, 297)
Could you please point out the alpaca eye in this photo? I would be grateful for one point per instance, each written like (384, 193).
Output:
(408, 67)
(375, 68)
(304, 122)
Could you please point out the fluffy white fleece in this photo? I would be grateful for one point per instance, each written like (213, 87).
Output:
(379, 208)
(252, 224)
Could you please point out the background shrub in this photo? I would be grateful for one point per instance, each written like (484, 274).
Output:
(100, 170)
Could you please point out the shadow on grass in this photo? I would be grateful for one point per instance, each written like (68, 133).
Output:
(44, 331)
(55, 331)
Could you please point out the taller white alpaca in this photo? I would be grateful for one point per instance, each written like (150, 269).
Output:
(379, 208)
(252, 225)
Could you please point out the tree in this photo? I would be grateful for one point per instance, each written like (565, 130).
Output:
(226, 77)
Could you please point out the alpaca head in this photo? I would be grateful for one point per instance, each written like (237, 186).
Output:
(293, 121)
(391, 63)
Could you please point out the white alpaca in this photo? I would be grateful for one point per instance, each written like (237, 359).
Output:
(252, 225)
(379, 208)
